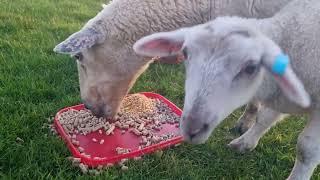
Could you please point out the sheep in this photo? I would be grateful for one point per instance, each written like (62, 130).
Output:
(107, 65)
(231, 61)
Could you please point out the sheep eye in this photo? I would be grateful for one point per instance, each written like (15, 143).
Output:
(250, 69)
(78, 56)
(185, 53)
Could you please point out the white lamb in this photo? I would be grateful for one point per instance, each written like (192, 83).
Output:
(231, 61)
(107, 64)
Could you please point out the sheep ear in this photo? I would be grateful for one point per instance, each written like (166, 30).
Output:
(78, 41)
(287, 80)
(160, 44)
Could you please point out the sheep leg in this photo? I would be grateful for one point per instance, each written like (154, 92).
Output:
(266, 118)
(308, 150)
(247, 119)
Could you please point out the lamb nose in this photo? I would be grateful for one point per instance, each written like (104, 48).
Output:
(87, 106)
(193, 133)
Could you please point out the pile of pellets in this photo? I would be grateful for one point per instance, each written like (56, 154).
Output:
(138, 114)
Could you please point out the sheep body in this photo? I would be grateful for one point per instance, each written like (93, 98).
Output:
(229, 63)
(132, 19)
(108, 67)
(299, 36)
(296, 30)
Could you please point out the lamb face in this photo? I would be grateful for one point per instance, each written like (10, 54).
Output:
(107, 68)
(105, 77)
(218, 82)
(226, 64)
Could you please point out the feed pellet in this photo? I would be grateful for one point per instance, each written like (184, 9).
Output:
(138, 114)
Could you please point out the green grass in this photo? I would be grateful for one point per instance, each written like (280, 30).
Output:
(35, 83)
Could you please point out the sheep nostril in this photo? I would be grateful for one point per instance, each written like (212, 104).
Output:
(98, 113)
(205, 127)
(87, 106)
(192, 135)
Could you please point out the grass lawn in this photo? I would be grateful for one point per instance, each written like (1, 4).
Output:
(35, 83)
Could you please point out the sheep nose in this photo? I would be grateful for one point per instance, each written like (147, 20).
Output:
(87, 106)
(98, 112)
(193, 132)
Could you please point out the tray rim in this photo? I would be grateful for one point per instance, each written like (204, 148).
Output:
(93, 162)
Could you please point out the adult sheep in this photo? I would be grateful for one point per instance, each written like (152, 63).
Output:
(233, 60)
(107, 64)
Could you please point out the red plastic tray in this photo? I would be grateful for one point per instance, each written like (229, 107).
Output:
(106, 152)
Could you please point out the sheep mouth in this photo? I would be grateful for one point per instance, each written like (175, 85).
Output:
(199, 137)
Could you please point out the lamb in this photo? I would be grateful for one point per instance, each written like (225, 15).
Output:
(108, 66)
(232, 60)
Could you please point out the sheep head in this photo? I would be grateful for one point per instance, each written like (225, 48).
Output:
(226, 63)
(107, 68)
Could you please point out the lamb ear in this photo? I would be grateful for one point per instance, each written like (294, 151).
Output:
(78, 41)
(160, 44)
(289, 83)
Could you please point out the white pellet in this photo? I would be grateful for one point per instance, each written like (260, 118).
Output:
(123, 161)
(101, 141)
(74, 136)
(76, 143)
(110, 130)
(124, 168)
(136, 132)
(137, 158)
(81, 150)
(76, 160)
(109, 165)
(141, 126)
(83, 168)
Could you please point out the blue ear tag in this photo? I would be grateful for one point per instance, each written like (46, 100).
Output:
(280, 64)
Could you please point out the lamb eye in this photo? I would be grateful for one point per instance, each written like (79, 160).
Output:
(185, 53)
(250, 69)
(78, 56)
